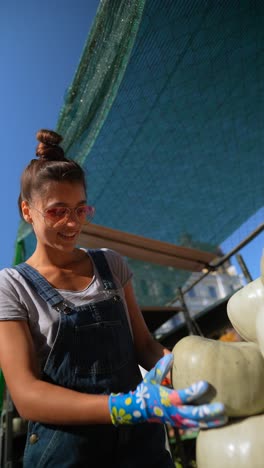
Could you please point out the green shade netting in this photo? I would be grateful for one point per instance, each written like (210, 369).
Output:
(165, 113)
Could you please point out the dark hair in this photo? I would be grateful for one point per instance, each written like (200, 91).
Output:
(51, 166)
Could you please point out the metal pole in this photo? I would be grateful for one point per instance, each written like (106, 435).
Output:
(192, 326)
(244, 268)
(213, 266)
(2, 413)
(8, 452)
(2, 437)
(242, 244)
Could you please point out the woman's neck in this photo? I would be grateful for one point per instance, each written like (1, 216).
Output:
(48, 258)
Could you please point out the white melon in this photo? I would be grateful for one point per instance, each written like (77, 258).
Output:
(260, 329)
(234, 370)
(239, 444)
(243, 307)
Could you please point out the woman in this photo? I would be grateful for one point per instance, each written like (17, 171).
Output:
(72, 336)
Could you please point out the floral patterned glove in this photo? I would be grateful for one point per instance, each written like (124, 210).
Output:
(153, 402)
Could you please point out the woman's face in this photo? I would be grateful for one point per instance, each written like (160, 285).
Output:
(57, 235)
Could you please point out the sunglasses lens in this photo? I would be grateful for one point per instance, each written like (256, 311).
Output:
(56, 216)
(85, 213)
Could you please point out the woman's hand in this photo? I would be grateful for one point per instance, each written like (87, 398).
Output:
(153, 402)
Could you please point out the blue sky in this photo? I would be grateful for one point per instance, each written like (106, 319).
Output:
(253, 251)
(40, 47)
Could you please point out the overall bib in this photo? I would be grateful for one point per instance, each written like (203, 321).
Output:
(93, 353)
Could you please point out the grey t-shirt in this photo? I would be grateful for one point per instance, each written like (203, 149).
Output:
(19, 301)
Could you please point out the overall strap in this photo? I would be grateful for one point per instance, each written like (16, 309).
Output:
(40, 284)
(103, 269)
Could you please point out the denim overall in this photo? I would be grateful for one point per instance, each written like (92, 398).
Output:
(93, 353)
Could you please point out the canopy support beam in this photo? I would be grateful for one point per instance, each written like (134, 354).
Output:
(145, 249)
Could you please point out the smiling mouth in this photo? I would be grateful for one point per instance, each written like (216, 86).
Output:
(69, 236)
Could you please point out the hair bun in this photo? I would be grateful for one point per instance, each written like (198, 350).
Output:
(48, 148)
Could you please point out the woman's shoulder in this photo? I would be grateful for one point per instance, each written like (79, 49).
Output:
(11, 295)
(118, 265)
(112, 254)
(9, 275)
(12, 284)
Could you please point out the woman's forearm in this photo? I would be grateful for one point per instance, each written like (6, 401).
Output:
(48, 403)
